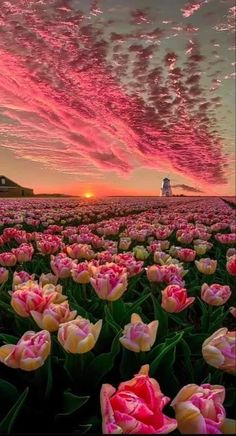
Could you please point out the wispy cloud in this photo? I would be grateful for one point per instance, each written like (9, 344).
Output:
(187, 188)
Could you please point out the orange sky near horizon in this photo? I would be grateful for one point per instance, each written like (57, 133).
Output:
(110, 97)
(45, 180)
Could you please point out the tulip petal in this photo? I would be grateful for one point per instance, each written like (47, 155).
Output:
(228, 426)
(135, 318)
(109, 425)
(5, 351)
(189, 418)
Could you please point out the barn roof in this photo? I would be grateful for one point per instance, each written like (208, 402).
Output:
(10, 183)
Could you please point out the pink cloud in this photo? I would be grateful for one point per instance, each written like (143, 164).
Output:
(77, 101)
(191, 7)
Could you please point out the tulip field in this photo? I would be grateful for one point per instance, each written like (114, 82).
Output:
(117, 315)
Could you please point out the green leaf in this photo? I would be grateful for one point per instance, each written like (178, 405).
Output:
(102, 364)
(110, 320)
(82, 429)
(48, 366)
(177, 319)
(230, 397)
(6, 306)
(7, 423)
(187, 359)
(118, 311)
(139, 301)
(8, 395)
(195, 342)
(9, 339)
(71, 403)
(156, 362)
(129, 364)
(161, 315)
(205, 315)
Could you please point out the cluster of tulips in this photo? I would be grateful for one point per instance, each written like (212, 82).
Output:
(164, 247)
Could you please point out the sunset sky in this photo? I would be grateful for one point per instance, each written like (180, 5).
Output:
(111, 96)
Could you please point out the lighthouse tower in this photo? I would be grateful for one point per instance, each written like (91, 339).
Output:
(166, 188)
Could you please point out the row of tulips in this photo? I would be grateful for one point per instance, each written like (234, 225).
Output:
(66, 268)
(137, 405)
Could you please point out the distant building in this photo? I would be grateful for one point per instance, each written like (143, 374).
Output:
(166, 190)
(8, 188)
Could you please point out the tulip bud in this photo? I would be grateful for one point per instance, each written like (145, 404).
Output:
(219, 350)
(231, 265)
(135, 407)
(3, 275)
(138, 336)
(206, 266)
(174, 299)
(81, 273)
(109, 281)
(199, 409)
(7, 259)
(29, 353)
(79, 335)
(20, 277)
(215, 294)
(47, 279)
(53, 315)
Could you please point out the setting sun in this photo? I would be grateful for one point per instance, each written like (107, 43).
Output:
(88, 195)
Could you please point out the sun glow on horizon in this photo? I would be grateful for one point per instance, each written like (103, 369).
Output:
(88, 195)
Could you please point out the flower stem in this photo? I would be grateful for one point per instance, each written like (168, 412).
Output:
(84, 291)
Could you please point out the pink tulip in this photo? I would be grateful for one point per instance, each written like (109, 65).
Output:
(48, 244)
(184, 237)
(231, 265)
(230, 252)
(155, 273)
(109, 281)
(163, 233)
(81, 273)
(79, 335)
(7, 259)
(219, 350)
(174, 299)
(20, 277)
(3, 275)
(61, 265)
(138, 336)
(110, 246)
(199, 409)
(124, 243)
(29, 296)
(104, 257)
(215, 295)
(80, 251)
(226, 238)
(127, 260)
(158, 246)
(24, 253)
(165, 273)
(206, 265)
(46, 279)
(186, 254)
(135, 407)
(232, 310)
(56, 291)
(29, 353)
(53, 315)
